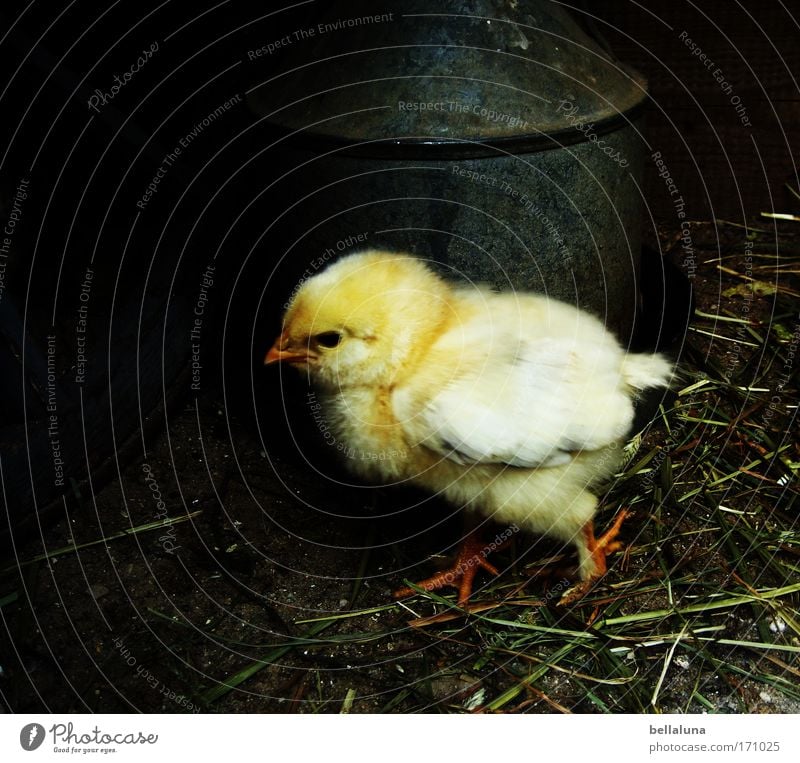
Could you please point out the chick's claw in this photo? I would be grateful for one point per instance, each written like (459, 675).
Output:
(461, 575)
(606, 544)
(598, 549)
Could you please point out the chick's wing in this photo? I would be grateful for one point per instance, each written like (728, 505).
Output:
(521, 400)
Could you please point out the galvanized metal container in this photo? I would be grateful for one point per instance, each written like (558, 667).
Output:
(496, 138)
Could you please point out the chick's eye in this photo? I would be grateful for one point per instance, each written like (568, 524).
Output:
(328, 339)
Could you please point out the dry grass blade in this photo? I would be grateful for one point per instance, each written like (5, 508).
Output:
(73, 548)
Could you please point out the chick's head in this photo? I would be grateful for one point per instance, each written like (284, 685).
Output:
(362, 320)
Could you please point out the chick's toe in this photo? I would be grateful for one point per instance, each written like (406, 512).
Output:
(470, 558)
(592, 553)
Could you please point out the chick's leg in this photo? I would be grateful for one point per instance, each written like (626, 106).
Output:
(592, 553)
(470, 558)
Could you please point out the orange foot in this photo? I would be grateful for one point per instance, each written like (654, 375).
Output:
(471, 557)
(598, 549)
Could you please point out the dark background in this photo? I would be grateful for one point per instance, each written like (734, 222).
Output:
(728, 171)
(87, 172)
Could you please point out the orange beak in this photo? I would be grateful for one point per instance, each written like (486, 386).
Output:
(279, 353)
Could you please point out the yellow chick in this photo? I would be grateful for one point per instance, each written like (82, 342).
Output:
(510, 405)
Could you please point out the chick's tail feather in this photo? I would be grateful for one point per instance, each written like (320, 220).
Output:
(642, 371)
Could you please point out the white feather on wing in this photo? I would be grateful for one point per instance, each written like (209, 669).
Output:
(557, 397)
